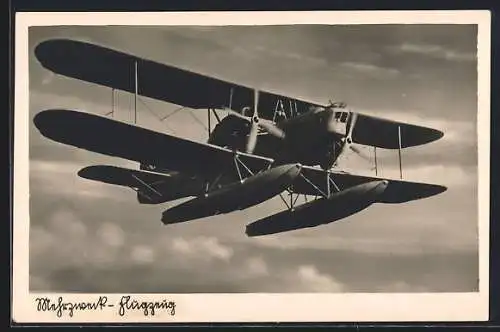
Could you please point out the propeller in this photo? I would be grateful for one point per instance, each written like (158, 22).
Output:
(348, 139)
(256, 123)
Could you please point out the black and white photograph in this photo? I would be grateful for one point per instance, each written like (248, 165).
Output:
(328, 158)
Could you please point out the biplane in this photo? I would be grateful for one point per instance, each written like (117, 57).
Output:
(266, 145)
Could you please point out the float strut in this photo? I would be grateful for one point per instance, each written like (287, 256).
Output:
(399, 152)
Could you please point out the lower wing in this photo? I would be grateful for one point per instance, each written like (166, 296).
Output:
(315, 180)
(118, 139)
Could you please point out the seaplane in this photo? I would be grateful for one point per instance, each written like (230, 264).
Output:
(267, 145)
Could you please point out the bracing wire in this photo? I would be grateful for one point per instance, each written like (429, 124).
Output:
(198, 120)
(159, 117)
(162, 119)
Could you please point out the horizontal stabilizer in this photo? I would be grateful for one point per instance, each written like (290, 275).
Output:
(152, 188)
(383, 133)
(121, 176)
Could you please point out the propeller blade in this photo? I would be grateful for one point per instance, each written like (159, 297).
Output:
(252, 137)
(256, 123)
(254, 129)
(354, 117)
(272, 129)
(238, 115)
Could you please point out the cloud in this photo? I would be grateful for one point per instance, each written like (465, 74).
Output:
(256, 266)
(62, 229)
(40, 239)
(404, 287)
(435, 51)
(298, 58)
(61, 179)
(370, 69)
(37, 283)
(201, 247)
(111, 234)
(66, 223)
(142, 254)
(311, 279)
(450, 176)
(48, 78)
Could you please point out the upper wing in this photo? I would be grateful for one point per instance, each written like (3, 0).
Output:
(383, 133)
(118, 139)
(115, 69)
(397, 191)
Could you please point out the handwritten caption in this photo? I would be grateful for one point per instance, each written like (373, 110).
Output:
(122, 307)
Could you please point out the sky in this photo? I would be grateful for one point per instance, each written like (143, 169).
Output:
(91, 237)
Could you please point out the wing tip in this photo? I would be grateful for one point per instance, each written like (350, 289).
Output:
(45, 119)
(432, 190)
(44, 51)
(396, 194)
(441, 189)
(436, 189)
(434, 135)
(427, 135)
(88, 172)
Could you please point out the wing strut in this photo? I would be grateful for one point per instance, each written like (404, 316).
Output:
(209, 124)
(375, 157)
(112, 112)
(293, 200)
(136, 90)
(329, 181)
(146, 185)
(216, 115)
(231, 91)
(237, 162)
(313, 185)
(399, 152)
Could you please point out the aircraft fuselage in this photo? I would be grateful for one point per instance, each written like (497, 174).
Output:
(313, 138)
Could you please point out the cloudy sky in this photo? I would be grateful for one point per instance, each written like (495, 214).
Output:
(91, 237)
